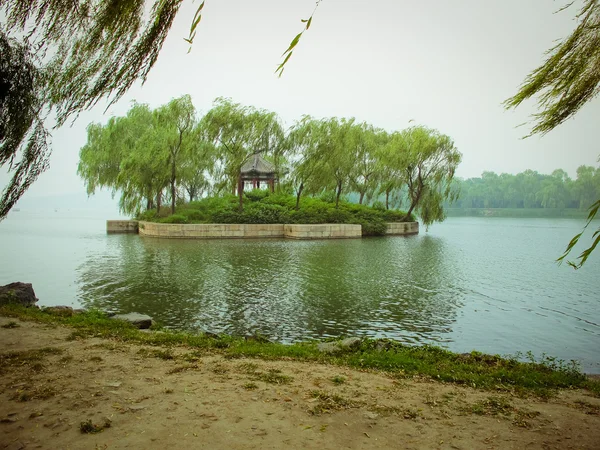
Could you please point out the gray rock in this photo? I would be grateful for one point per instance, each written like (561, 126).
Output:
(350, 343)
(136, 408)
(141, 321)
(329, 347)
(339, 346)
(371, 415)
(18, 293)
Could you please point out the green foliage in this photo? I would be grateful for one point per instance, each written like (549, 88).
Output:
(530, 190)
(97, 50)
(24, 141)
(256, 194)
(146, 151)
(174, 218)
(565, 82)
(149, 215)
(569, 77)
(379, 206)
(62, 58)
(426, 161)
(238, 132)
(253, 213)
(585, 254)
(290, 50)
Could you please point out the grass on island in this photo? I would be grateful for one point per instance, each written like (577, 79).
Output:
(490, 372)
(261, 206)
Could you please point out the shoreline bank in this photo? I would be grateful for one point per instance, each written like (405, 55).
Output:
(473, 368)
(84, 381)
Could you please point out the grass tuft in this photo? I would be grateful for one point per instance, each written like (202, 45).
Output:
(338, 379)
(88, 427)
(328, 402)
(31, 359)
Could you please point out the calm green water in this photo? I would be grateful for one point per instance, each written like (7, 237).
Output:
(489, 284)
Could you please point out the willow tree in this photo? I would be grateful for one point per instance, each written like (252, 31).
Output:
(567, 80)
(389, 169)
(122, 156)
(305, 138)
(335, 150)
(366, 141)
(426, 161)
(197, 169)
(63, 57)
(174, 125)
(142, 153)
(24, 142)
(239, 132)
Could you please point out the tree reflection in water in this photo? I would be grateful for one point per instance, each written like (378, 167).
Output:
(403, 288)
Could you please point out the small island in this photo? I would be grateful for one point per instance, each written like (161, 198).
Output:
(268, 215)
(238, 171)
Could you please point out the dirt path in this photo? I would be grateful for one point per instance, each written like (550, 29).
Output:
(157, 399)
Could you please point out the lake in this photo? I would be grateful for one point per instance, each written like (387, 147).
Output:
(486, 284)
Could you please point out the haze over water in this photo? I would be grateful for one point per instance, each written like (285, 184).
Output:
(486, 284)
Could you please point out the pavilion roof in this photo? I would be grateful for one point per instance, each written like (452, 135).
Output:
(256, 164)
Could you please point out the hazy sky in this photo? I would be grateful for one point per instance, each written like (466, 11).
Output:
(447, 64)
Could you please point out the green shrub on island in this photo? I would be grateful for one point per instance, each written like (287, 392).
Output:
(261, 206)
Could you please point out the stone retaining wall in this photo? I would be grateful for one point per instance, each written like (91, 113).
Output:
(322, 231)
(249, 231)
(211, 230)
(121, 226)
(402, 228)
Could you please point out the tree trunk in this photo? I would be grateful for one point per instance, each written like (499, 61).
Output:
(360, 200)
(173, 179)
(158, 201)
(413, 205)
(387, 199)
(241, 194)
(298, 196)
(409, 212)
(339, 192)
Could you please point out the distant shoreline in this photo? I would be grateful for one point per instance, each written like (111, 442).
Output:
(542, 213)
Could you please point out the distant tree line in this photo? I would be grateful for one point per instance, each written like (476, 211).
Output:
(530, 189)
(171, 154)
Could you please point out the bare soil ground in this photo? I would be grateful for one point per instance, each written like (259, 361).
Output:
(156, 398)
